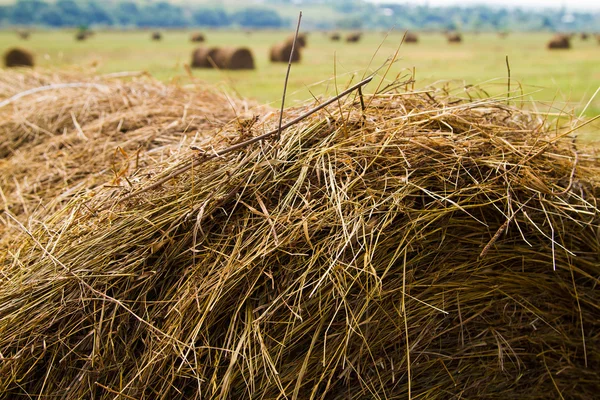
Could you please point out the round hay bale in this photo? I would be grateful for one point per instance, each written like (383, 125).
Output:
(454, 37)
(584, 36)
(300, 42)
(81, 36)
(502, 34)
(23, 34)
(203, 57)
(559, 42)
(234, 58)
(156, 36)
(281, 53)
(335, 36)
(353, 37)
(18, 58)
(411, 38)
(197, 37)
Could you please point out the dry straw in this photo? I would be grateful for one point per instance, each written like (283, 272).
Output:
(425, 246)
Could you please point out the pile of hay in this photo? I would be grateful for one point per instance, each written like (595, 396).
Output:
(156, 36)
(411, 37)
(234, 58)
(584, 36)
(18, 58)
(80, 36)
(23, 34)
(197, 37)
(559, 42)
(301, 41)
(77, 134)
(281, 52)
(353, 37)
(428, 245)
(454, 37)
(335, 36)
(203, 57)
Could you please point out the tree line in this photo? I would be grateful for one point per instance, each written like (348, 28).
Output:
(348, 14)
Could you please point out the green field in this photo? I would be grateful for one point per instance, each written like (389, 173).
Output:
(563, 79)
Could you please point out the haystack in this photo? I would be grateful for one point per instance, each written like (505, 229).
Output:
(81, 36)
(233, 58)
(23, 34)
(454, 37)
(335, 36)
(18, 58)
(281, 53)
(353, 37)
(411, 37)
(426, 247)
(112, 127)
(197, 37)
(156, 36)
(300, 41)
(203, 57)
(559, 42)
(584, 36)
(503, 34)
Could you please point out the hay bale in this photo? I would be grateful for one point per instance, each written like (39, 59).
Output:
(503, 34)
(18, 58)
(353, 37)
(204, 57)
(454, 37)
(197, 37)
(233, 58)
(335, 37)
(559, 42)
(81, 36)
(365, 259)
(24, 35)
(156, 36)
(584, 36)
(300, 42)
(411, 37)
(281, 53)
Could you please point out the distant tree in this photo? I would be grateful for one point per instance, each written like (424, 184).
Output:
(126, 13)
(96, 13)
(258, 18)
(51, 17)
(25, 12)
(213, 17)
(72, 14)
(162, 14)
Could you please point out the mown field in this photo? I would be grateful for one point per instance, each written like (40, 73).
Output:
(564, 79)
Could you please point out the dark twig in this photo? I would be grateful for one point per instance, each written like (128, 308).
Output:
(208, 156)
(287, 76)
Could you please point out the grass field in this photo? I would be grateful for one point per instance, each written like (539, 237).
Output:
(564, 79)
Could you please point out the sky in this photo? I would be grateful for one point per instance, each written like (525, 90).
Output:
(570, 5)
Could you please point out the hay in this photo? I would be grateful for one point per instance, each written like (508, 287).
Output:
(281, 53)
(18, 58)
(335, 36)
(429, 244)
(233, 58)
(23, 34)
(156, 36)
(353, 37)
(411, 37)
(559, 42)
(203, 57)
(454, 37)
(584, 36)
(69, 140)
(81, 36)
(300, 42)
(197, 37)
(503, 34)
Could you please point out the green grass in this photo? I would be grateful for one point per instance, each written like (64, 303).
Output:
(562, 79)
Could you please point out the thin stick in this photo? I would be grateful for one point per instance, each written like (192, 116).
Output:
(287, 76)
(207, 156)
(508, 92)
